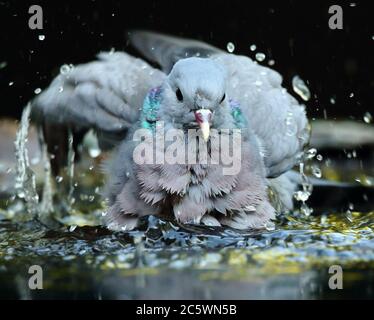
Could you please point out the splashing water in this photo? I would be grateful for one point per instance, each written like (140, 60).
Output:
(306, 191)
(25, 184)
(70, 169)
(46, 206)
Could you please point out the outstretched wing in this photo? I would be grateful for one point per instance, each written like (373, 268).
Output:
(105, 95)
(276, 118)
(167, 50)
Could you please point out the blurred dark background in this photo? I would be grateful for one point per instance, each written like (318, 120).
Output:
(336, 64)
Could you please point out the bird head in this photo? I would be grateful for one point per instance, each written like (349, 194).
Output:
(194, 95)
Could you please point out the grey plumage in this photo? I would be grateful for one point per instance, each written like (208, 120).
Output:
(107, 95)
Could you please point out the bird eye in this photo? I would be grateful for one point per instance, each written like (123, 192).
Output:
(179, 95)
(223, 98)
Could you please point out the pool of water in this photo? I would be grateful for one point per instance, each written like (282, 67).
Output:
(165, 260)
(81, 259)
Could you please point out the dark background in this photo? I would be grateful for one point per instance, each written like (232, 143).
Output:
(335, 63)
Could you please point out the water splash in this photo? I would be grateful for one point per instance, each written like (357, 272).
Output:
(306, 191)
(25, 184)
(46, 206)
(70, 169)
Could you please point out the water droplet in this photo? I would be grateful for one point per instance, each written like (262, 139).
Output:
(60, 89)
(230, 47)
(351, 95)
(253, 47)
(349, 215)
(3, 64)
(271, 62)
(306, 210)
(368, 118)
(59, 179)
(323, 219)
(301, 195)
(94, 151)
(64, 69)
(311, 153)
(269, 226)
(260, 56)
(72, 228)
(317, 172)
(104, 213)
(332, 100)
(352, 4)
(300, 88)
(319, 157)
(11, 83)
(38, 90)
(41, 37)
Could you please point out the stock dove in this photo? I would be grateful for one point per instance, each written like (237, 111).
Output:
(199, 87)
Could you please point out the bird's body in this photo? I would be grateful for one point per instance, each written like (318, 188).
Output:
(218, 93)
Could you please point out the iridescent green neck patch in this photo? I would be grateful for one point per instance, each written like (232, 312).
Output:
(151, 105)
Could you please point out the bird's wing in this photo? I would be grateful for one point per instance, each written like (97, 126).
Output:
(275, 116)
(105, 94)
(167, 50)
(277, 119)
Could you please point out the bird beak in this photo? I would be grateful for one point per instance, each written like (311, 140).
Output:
(203, 118)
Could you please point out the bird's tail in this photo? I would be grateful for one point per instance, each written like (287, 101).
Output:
(167, 50)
